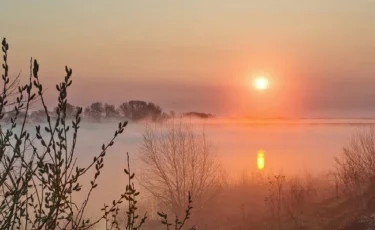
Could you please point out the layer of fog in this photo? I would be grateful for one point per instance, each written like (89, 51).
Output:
(290, 147)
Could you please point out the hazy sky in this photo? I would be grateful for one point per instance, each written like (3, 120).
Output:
(200, 55)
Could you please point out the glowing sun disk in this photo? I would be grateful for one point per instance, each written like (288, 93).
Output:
(261, 83)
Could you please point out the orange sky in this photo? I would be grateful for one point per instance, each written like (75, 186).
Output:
(310, 49)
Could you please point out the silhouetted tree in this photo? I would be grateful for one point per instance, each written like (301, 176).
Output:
(95, 111)
(198, 115)
(154, 111)
(125, 110)
(70, 110)
(38, 116)
(137, 110)
(110, 111)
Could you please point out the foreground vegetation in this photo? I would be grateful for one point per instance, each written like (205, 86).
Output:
(39, 176)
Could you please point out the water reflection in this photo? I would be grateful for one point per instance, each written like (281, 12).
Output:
(260, 160)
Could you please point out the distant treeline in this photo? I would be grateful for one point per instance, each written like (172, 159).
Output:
(132, 110)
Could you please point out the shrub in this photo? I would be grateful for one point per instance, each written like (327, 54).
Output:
(356, 165)
(177, 159)
(38, 176)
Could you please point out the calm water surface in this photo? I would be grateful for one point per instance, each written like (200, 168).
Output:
(289, 147)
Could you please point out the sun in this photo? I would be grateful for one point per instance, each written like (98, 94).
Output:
(261, 83)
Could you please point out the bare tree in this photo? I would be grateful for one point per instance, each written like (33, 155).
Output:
(71, 110)
(138, 110)
(95, 111)
(358, 157)
(110, 111)
(178, 158)
(356, 165)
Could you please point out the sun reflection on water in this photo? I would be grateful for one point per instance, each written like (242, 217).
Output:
(260, 160)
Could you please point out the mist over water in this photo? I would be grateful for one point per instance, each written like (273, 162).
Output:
(289, 147)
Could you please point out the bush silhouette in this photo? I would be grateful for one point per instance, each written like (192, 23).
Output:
(177, 158)
(38, 176)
